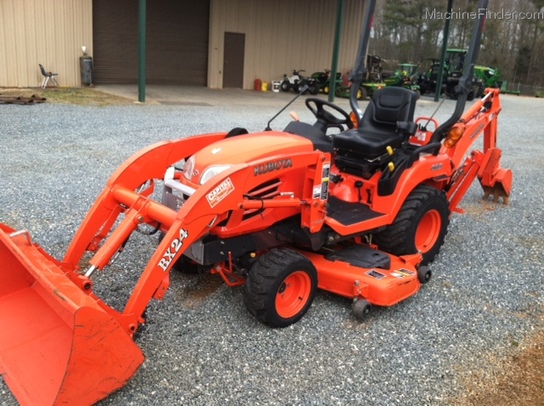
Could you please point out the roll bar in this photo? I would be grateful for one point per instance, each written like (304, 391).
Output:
(358, 73)
(465, 82)
(464, 86)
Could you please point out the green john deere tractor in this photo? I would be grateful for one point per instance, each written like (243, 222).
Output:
(403, 77)
(453, 70)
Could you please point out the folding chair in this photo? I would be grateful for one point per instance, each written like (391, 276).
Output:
(47, 76)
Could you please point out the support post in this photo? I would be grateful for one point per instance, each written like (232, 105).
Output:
(141, 49)
(336, 48)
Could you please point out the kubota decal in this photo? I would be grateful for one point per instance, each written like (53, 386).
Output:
(224, 189)
(272, 166)
(174, 248)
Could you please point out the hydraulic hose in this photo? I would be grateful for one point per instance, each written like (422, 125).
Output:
(359, 71)
(465, 83)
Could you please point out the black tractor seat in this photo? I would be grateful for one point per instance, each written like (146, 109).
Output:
(387, 121)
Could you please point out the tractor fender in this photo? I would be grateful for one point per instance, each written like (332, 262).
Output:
(433, 170)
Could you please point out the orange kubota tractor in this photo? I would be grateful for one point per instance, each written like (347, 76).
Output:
(360, 214)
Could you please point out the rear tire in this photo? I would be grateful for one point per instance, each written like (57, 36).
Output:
(280, 287)
(314, 88)
(420, 226)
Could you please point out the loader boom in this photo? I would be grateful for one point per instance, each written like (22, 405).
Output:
(182, 228)
(55, 293)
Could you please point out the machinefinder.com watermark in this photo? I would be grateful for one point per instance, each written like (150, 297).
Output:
(434, 14)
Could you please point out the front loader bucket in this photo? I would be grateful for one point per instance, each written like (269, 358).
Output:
(57, 345)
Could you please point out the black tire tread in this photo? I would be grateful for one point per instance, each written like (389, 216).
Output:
(263, 276)
(394, 238)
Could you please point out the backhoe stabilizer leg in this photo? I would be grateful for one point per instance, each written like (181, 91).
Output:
(495, 181)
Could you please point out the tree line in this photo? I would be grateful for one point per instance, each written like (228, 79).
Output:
(407, 31)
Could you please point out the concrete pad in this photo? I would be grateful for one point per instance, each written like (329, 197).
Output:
(203, 96)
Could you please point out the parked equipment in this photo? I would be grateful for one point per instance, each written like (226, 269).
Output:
(427, 75)
(298, 82)
(283, 213)
(490, 77)
(372, 80)
(403, 77)
(323, 80)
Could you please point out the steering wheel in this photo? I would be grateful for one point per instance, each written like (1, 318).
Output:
(325, 118)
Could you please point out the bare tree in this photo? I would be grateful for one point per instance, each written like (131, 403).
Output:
(513, 41)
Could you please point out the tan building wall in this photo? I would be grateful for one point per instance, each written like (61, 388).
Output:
(50, 32)
(282, 35)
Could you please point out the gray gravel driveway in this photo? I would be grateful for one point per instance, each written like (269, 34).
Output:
(201, 344)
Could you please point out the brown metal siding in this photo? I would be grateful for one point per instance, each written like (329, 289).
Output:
(185, 39)
(115, 40)
(177, 41)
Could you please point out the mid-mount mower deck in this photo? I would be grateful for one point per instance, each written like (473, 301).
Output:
(360, 214)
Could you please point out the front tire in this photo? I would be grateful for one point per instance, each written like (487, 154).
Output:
(285, 86)
(280, 287)
(420, 226)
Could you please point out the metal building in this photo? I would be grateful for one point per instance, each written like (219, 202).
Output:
(213, 43)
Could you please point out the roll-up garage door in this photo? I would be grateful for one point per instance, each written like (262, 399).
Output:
(177, 41)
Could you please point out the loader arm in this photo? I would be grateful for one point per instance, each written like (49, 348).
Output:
(62, 330)
(198, 216)
(194, 219)
(146, 165)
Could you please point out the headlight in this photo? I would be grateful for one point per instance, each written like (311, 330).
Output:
(211, 171)
(189, 167)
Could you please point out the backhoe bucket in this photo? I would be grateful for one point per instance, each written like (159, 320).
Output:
(495, 181)
(57, 345)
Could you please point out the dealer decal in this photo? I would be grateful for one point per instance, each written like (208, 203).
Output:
(224, 189)
(402, 273)
(272, 166)
(174, 248)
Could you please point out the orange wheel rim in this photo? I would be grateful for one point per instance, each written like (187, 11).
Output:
(293, 294)
(428, 231)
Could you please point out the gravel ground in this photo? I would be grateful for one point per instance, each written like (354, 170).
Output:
(204, 348)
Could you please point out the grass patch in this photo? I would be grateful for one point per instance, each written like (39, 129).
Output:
(83, 96)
